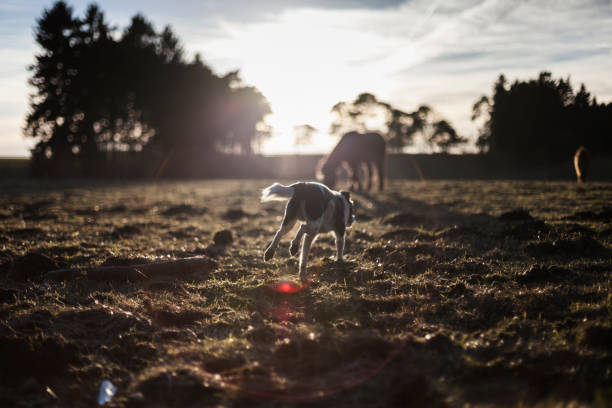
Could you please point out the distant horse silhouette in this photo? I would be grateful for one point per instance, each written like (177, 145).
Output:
(582, 160)
(355, 149)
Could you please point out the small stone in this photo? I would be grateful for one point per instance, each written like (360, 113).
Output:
(223, 237)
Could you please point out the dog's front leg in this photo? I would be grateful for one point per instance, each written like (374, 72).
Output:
(304, 256)
(339, 247)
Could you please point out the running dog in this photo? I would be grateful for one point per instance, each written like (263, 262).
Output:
(322, 210)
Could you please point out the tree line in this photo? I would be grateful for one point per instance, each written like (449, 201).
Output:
(401, 128)
(542, 119)
(528, 121)
(99, 93)
(102, 95)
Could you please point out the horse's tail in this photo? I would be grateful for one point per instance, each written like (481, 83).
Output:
(581, 163)
(277, 192)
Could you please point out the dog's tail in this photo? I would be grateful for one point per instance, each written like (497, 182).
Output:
(276, 192)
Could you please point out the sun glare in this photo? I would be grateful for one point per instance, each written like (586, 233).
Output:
(304, 62)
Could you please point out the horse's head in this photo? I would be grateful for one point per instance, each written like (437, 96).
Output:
(326, 172)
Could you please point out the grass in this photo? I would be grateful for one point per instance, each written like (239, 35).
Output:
(455, 293)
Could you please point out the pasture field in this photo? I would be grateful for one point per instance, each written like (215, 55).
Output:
(454, 294)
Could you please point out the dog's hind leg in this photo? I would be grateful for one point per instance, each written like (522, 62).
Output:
(288, 222)
(304, 256)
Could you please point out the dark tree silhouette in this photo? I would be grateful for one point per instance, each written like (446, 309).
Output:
(245, 106)
(99, 94)
(542, 118)
(367, 112)
(302, 134)
(50, 118)
(444, 136)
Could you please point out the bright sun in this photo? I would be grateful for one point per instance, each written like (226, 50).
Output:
(304, 62)
(293, 106)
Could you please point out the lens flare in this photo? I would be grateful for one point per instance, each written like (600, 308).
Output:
(289, 287)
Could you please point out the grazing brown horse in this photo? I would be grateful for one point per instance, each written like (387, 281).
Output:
(355, 149)
(581, 163)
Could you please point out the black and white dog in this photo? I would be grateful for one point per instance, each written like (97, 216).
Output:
(322, 209)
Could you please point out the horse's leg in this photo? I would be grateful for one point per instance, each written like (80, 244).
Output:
(362, 175)
(380, 167)
(353, 176)
(370, 166)
(357, 170)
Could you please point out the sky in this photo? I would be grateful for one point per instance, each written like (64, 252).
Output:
(305, 56)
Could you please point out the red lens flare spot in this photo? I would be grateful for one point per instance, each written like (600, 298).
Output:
(287, 287)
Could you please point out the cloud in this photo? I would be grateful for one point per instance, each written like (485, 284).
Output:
(248, 10)
(459, 52)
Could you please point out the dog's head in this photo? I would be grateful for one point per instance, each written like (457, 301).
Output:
(350, 205)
